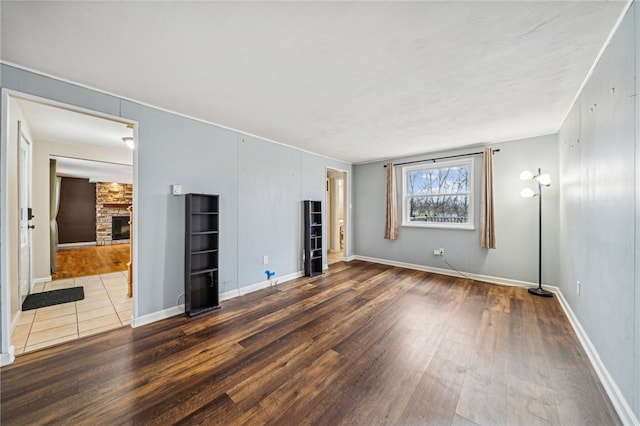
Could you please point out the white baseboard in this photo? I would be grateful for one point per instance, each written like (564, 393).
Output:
(259, 286)
(88, 243)
(8, 357)
(40, 280)
(349, 258)
(613, 391)
(36, 281)
(449, 272)
(157, 316)
(179, 310)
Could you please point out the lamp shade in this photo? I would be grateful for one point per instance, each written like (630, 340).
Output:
(129, 141)
(526, 175)
(544, 179)
(527, 193)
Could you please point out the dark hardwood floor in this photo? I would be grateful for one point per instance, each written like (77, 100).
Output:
(364, 344)
(74, 262)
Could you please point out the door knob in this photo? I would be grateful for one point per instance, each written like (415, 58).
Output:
(31, 226)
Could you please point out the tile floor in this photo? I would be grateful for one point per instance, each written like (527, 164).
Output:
(105, 307)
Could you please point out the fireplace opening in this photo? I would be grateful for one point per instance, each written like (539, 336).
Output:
(120, 228)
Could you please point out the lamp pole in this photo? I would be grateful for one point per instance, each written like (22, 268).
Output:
(539, 291)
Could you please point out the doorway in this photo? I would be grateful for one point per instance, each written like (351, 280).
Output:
(84, 145)
(336, 184)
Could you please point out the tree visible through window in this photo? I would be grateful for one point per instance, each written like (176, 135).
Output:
(438, 194)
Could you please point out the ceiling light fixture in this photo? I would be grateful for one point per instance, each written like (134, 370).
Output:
(129, 141)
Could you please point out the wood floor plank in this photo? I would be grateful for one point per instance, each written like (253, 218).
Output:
(361, 344)
(73, 262)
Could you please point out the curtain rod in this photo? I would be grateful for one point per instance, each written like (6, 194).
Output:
(493, 151)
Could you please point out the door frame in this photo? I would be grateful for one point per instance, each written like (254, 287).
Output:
(346, 205)
(7, 324)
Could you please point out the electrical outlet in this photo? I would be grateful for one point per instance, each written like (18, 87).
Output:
(176, 189)
(578, 287)
(438, 252)
(265, 260)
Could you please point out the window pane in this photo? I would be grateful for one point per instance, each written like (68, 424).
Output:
(439, 209)
(446, 180)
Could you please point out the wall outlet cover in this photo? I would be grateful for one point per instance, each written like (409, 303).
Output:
(176, 189)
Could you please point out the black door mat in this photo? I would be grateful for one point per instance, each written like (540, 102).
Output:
(53, 297)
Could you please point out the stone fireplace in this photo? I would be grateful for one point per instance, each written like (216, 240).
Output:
(112, 200)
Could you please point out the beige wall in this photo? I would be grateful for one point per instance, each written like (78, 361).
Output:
(43, 150)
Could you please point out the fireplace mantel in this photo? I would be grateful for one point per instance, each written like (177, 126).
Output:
(116, 205)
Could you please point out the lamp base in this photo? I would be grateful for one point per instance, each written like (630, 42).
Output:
(539, 291)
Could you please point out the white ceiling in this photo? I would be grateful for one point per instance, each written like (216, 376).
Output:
(54, 124)
(61, 125)
(356, 81)
(95, 171)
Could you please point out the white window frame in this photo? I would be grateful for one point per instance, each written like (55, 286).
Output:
(439, 165)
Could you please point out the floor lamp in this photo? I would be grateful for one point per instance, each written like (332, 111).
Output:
(542, 180)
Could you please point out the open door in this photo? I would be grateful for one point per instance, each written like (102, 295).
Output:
(25, 214)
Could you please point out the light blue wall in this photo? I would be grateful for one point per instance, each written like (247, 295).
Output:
(516, 256)
(261, 186)
(598, 210)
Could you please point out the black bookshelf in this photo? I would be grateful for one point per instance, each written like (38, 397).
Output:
(312, 238)
(201, 292)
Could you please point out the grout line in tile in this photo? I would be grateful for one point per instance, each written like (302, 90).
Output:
(76, 284)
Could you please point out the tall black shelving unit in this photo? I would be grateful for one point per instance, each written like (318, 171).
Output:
(201, 254)
(312, 238)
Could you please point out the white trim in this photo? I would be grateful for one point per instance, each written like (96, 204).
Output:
(88, 243)
(231, 294)
(68, 107)
(6, 348)
(613, 391)
(178, 310)
(8, 357)
(42, 280)
(157, 316)
(346, 207)
(349, 258)
(449, 272)
(125, 98)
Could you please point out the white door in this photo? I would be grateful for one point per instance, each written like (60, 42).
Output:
(25, 214)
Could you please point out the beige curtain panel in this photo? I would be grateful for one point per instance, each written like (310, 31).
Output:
(391, 224)
(54, 205)
(487, 217)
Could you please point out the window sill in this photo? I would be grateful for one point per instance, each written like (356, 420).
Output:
(463, 227)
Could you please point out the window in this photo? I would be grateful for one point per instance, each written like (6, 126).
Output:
(438, 195)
